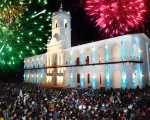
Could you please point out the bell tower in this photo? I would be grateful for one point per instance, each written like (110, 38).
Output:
(61, 39)
(61, 30)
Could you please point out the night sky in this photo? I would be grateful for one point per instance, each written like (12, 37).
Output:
(83, 30)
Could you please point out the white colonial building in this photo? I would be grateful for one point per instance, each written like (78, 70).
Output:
(116, 62)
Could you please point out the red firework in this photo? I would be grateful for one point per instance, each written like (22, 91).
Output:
(117, 17)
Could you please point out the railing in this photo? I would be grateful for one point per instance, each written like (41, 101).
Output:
(49, 74)
(97, 61)
(58, 74)
(128, 58)
(116, 59)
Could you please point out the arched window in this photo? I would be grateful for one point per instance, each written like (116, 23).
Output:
(56, 25)
(65, 23)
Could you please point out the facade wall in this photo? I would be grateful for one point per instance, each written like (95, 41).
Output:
(103, 51)
(114, 62)
(95, 76)
(37, 76)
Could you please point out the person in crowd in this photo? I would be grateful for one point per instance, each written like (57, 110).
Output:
(33, 102)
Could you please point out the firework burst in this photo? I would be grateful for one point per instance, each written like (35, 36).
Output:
(26, 36)
(11, 10)
(117, 17)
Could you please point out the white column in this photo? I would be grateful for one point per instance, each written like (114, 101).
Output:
(61, 59)
(58, 59)
(47, 55)
(50, 59)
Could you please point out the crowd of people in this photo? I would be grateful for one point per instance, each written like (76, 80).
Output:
(32, 102)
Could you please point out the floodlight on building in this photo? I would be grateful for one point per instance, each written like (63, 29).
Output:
(106, 46)
(107, 76)
(71, 75)
(71, 53)
(93, 48)
(134, 75)
(94, 76)
(124, 76)
(142, 75)
(140, 50)
(81, 51)
(82, 75)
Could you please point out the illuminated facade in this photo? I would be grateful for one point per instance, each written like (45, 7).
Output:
(117, 62)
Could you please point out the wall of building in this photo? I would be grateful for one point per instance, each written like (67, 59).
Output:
(115, 49)
(95, 76)
(32, 75)
(113, 62)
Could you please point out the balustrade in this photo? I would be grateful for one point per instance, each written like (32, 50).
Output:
(90, 62)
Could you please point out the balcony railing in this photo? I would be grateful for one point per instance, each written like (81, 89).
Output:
(110, 60)
(51, 74)
(95, 62)
(59, 74)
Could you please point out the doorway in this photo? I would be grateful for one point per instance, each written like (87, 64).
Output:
(78, 61)
(87, 60)
(78, 78)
